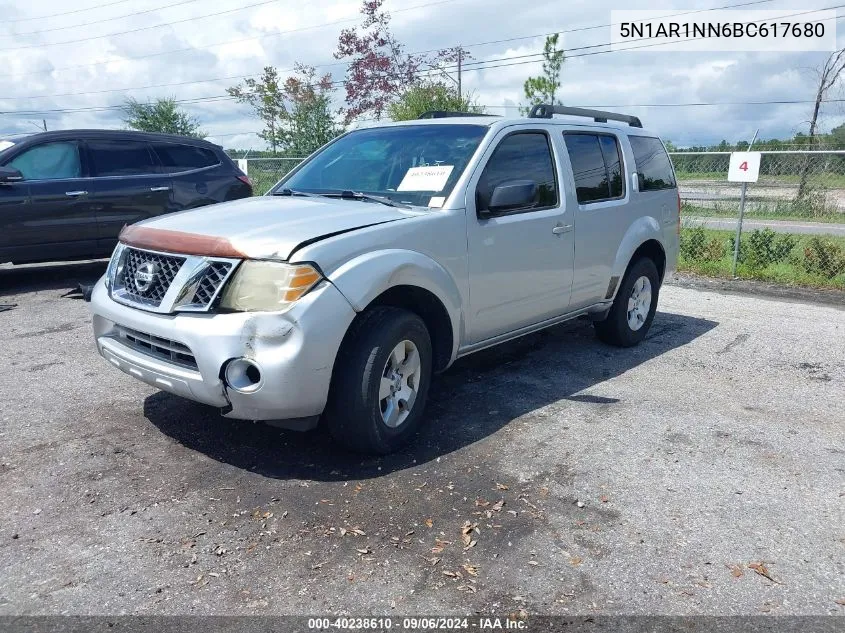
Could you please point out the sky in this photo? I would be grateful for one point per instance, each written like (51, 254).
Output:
(65, 62)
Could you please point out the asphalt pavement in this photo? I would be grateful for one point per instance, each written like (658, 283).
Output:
(702, 472)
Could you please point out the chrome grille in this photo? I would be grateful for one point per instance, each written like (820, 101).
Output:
(164, 269)
(215, 274)
(161, 348)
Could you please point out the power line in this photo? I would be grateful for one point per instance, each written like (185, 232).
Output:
(226, 42)
(328, 65)
(142, 28)
(479, 66)
(56, 15)
(117, 17)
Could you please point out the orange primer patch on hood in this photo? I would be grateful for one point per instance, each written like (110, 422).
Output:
(178, 242)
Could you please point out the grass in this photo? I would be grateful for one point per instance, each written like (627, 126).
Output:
(783, 211)
(830, 180)
(787, 273)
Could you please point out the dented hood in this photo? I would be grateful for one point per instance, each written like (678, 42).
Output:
(266, 227)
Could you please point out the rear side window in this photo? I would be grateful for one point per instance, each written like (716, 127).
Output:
(175, 157)
(51, 161)
(654, 170)
(596, 166)
(521, 156)
(121, 158)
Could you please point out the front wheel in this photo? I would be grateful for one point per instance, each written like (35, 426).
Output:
(381, 381)
(633, 310)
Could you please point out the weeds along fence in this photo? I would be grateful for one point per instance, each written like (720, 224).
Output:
(808, 185)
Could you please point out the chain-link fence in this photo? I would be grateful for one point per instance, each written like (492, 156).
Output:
(792, 184)
(266, 172)
(796, 211)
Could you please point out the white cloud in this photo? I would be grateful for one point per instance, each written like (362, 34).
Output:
(281, 33)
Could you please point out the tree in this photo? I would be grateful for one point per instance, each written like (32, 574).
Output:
(379, 68)
(543, 89)
(828, 75)
(265, 96)
(427, 96)
(163, 115)
(296, 112)
(309, 124)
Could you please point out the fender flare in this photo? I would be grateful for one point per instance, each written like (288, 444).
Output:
(367, 276)
(643, 229)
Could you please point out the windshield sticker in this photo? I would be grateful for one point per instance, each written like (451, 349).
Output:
(436, 202)
(431, 178)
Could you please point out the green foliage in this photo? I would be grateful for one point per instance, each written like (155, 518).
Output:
(296, 112)
(762, 248)
(427, 96)
(162, 115)
(543, 89)
(693, 242)
(714, 250)
(823, 257)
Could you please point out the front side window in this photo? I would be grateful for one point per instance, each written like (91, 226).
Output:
(654, 169)
(409, 164)
(51, 161)
(520, 156)
(596, 166)
(175, 157)
(121, 158)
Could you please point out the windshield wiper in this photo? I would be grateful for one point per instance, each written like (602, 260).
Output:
(357, 195)
(293, 192)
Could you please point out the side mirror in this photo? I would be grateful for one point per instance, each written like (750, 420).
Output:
(9, 175)
(513, 194)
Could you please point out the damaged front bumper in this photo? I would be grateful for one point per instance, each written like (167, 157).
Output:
(187, 354)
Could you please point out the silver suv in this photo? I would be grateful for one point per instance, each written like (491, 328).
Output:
(385, 256)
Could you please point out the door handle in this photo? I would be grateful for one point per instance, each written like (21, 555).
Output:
(159, 188)
(562, 228)
(75, 194)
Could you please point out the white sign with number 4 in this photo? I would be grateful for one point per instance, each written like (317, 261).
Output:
(744, 167)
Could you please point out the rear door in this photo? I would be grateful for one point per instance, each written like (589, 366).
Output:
(128, 185)
(199, 177)
(599, 191)
(58, 222)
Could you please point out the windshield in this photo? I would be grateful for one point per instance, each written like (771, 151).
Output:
(409, 164)
(5, 145)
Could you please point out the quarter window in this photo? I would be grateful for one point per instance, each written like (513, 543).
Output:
(51, 161)
(175, 157)
(121, 158)
(521, 156)
(596, 166)
(654, 169)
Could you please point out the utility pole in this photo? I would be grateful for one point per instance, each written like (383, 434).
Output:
(460, 59)
(44, 123)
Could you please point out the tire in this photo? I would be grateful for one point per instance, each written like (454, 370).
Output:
(368, 367)
(617, 328)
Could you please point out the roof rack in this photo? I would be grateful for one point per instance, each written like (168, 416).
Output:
(545, 111)
(442, 114)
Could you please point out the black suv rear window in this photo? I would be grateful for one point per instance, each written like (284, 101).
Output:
(654, 169)
(175, 157)
(121, 158)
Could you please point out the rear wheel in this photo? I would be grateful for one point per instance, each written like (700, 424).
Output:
(381, 381)
(633, 310)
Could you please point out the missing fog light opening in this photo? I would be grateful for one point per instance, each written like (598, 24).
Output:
(242, 375)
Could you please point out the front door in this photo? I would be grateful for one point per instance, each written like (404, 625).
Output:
(58, 222)
(520, 262)
(128, 186)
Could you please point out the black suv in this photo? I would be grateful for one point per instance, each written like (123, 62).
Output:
(66, 195)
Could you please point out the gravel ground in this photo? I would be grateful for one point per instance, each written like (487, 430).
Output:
(700, 473)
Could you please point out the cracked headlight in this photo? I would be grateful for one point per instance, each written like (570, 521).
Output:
(268, 286)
